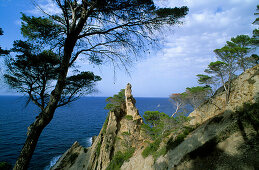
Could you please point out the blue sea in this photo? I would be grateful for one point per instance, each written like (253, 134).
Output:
(78, 121)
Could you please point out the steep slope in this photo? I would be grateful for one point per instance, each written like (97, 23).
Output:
(121, 133)
(245, 88)
(225, 136)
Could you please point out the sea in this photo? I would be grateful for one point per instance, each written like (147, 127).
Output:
(78, 121)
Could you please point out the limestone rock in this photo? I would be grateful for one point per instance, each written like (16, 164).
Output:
(224, 140)
(245, 88)
(130, 104)
(121, 130)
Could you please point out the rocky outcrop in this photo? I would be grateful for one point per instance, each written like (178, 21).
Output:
(227, 137)
(121, 130)
(130, 104)
(245, 88)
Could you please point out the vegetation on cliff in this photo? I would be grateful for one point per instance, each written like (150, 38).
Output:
(99, 30)
(115, 102)
(159, 126)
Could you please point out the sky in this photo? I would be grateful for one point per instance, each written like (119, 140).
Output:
(186, 50)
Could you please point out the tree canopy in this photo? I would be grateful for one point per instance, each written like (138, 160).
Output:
(109, 29)
(99, 30)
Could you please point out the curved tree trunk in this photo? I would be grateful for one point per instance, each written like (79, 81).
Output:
(33, 134)
(46, 116)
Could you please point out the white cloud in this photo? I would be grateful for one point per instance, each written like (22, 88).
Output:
(189, 50)
(48, 6)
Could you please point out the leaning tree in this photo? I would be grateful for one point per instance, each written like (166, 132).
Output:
(99, 30)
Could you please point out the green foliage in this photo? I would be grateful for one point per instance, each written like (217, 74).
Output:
(116, 101)
(119, 158)
(174, 142)
(193, 96)
(153, 118)
(128, 117)
(43, 30)
(158, 126)
(204, 79)
(5, 166)
(181, 118)
(155, 123)
(98, 148)
(105, 124)
(102, 30)
(151, 148)
(32, 72)
(216, 67)
(126, 133)
(250, 112)
(160, 152)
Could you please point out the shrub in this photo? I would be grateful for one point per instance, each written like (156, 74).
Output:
(98, 149)
(119, 158)
(159, 153)
(172, 143)
(151, 148)
(126, 133)
(128, 117)
(105, 124)
(159, 125)
(156, 123)
(116, 101)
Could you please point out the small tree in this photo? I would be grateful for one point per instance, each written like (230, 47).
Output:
(33, 71)
(241, 47)
(179, 100)
(197, 95)
(255, 38)
(157, 123)
(208, 81)
(116, 101)
(221, 72)
(100, 30)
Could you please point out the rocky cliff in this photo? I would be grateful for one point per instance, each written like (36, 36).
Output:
(224, 136)
(245, 88)
(121, 133)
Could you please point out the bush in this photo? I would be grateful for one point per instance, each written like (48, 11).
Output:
(128, 117)
(156, 123)
(126, 133)
(119, 158)
(116, 101)
(105, 124)
(159, 125)
(98, 149)
(172, 143)
(151, 148)
(159, 153)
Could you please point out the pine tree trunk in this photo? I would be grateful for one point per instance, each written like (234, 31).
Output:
(33, 134)
(46, 116)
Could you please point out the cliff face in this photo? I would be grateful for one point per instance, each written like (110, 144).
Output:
(227, 137)
(245, 88)
(121, 131)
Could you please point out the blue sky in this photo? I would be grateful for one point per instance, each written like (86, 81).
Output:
(186, 51)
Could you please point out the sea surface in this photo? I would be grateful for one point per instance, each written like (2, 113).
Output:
(78, 121)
